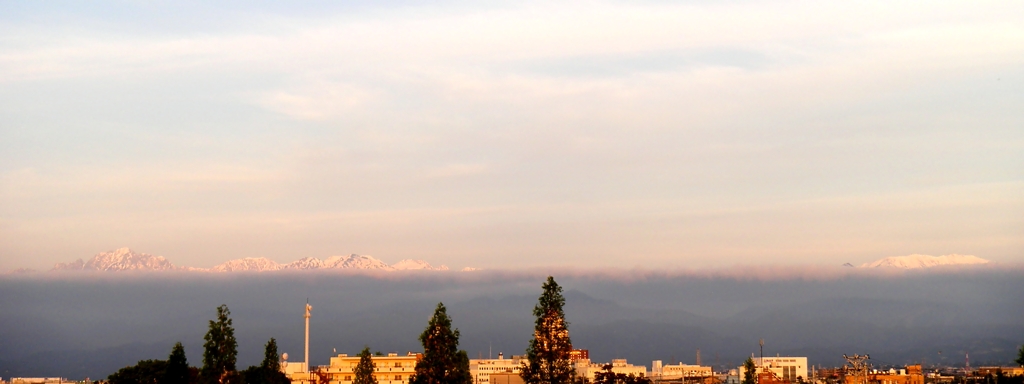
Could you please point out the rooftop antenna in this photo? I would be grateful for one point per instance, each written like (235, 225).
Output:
(698, 356)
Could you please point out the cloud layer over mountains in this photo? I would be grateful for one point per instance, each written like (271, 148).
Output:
(78, 325)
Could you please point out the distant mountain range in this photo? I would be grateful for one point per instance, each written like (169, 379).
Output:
(124, 259)
(924, 261)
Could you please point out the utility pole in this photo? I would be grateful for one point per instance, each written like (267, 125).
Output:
(859, 365)
(760, 360)
(308, 308)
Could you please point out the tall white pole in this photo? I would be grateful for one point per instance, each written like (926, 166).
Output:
(308, 308)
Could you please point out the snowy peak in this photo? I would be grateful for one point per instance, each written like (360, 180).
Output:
(122, 259)
(125, 259)
(420, 265)
(249, 264)
(305, 263)
(924, 261)
(355, 261)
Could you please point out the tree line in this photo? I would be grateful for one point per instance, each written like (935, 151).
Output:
(547, 355)
(220, 352)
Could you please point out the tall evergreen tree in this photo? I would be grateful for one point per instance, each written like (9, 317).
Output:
(177, 366)
(220, 349)
(1020, 356)
(749, 371)
(442, 362)
(269, 371)
(364, 370)
(548, 351)
(271, 361)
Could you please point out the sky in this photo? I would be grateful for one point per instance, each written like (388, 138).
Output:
(512, 135)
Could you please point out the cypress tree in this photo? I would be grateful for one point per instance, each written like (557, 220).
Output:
(364, 370)
(220, 350)
(271, 361)
(442, 362)
(177, 366)
(269, 371)
(749, 371)
(548, 351)
(1020, 356)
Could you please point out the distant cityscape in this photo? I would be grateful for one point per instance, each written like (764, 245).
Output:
(397, 368)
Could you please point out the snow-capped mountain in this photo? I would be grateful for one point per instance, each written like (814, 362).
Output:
(924, 261)
(410, 264)
(355, 261)
(122, 259)
(125, 259)
(254, 264)
(305, 263)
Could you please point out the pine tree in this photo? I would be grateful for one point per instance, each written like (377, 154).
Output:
(364, 370)
(442, 362)
(177, 366)
(269, 371)
(220, 349)
(548, 352)
(271, 361)
(1020, 356)
(749, 371)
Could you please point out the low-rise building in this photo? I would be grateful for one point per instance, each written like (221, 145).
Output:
(913, 374)
(39, 380)
(786, 368)
(680, 371)
(585, 369)
(388, 369)
(1006, 371)
(482, 369)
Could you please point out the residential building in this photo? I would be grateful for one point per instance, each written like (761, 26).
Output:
(585, 369)
(786, 368)
(388, 369)
(911, 375)
(482, 369)
(1006, 371)
(679, 371)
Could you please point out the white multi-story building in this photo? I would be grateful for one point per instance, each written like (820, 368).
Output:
(585, 369)
(678, 371)
(786, 368)
(481, 369)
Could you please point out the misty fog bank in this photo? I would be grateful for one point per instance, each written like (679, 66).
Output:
(78, 325)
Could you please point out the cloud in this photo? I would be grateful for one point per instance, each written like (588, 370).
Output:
(675, 134)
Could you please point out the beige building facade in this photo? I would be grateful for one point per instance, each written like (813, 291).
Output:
(482, 369)
(588, 370)
(786, 368)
